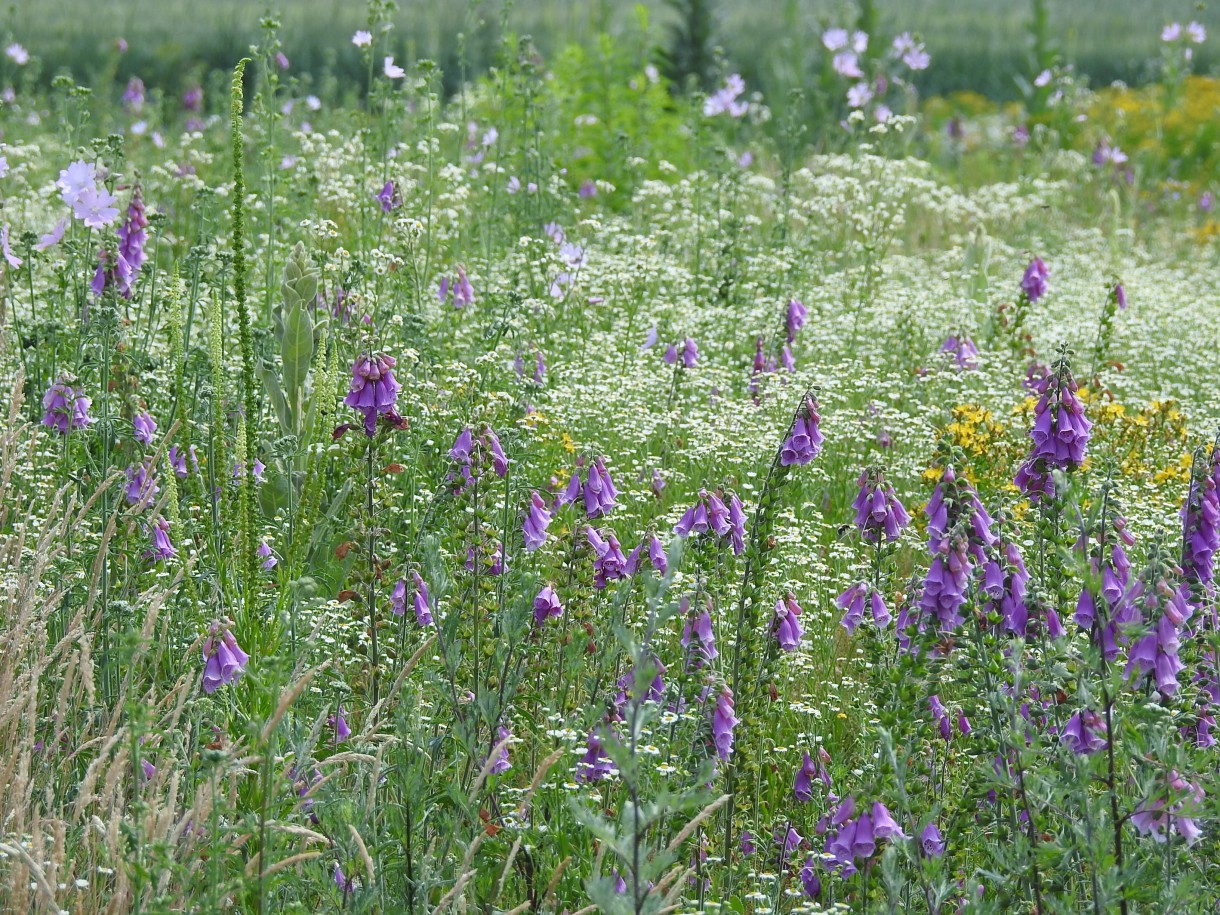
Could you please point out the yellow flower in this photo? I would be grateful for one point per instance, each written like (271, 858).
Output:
(568, 445)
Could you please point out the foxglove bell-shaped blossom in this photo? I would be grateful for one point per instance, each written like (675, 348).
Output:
(224, 661)
(65, 407)
(546, 606)
(804, 443)
(879, 514)
(374, 389)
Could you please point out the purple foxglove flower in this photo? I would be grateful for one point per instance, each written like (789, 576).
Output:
(339, 723)
(931, 842)
(374, 389)
(546, 606)
(132, 237)
(463, 292)
(851, 602)
(651, 339)
(144, 426)
(389, 197)
(795, 318)
(747, 844)
(345, 884)
(422, 601)
(141, 486)
(690, 353)
(723, 722)
(162, 549)
(788, 840)
(811, 883)
(1034, 282)
(1156, 816)
(536, 521)
(147, 770)
(786, 624)
(539, 369)
(656, 555)
(1156, 654)
(192, 99)
(737, 525)
(265, 554)
(65, 407)
(595, 765)
(609, 563)
(941, 717)
(1120, 296)
(802, 788)
(502, 763)
(398, 598)
(962, 349)
(599, 493)
(462, 446)
(671, 354)
(224, 661)
(963, 724)
(499, 462)
(1201, 525)
(805, 441)
(884, 826)
(1081, 733)
(698, 641)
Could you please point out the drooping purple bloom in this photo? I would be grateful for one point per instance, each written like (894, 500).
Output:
(398, 598)
(422, 601)
(1156, 654)
(389, 197)
(339, 723)
(599, 492)
(1060, 432)
(1083, 733)
(962, 349)
(223, 657)
(723, 722)
(879, 514)
(1173, 808)
(536, 521)
(794, 319)
(502, 763)
(499, 463)
(462, 447)
(268, 557)
(546, 606)
(192, 98)
(690, 353)
(851, 602)
(595, 765)
(141, 486)
(805, 441)
(786, 624)
(65, 407)
(1201, 524)
(145, 426)
(609, 563)
(162, 549)
(132, 236)
(811, 883)
(931, 843)
(699, 641)
(374, 389)
(1034, 282)
(802, 788)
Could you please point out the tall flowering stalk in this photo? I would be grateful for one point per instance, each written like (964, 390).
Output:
(752, 653)
(1060, 432)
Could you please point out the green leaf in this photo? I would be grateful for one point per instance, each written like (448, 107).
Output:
(296, 348)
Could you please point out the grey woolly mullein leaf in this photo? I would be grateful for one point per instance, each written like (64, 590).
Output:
(296, 348)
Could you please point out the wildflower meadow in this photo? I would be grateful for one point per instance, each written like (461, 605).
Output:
(591, 483)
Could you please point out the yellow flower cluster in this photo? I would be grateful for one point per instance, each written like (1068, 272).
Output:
(974, 429)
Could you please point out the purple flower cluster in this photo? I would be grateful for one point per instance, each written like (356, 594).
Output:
(224, 661)
(802, 786)
(458, 289)
(723, 722)
(422, 600)
(805, 441)
(1111, 568)
(597, 490)
(786, 623)
(689, 353)
(711, 514)
(1174, 809)
(656, 556)
(879, 514)
(473, 454)
(595, 765)
(1060, 433)
(698, 641)
(1036, 280)
(1158, 592)
(962, 349)
(852, 602)
(162, 549)
(374, 390)
(854, 838)
(1084, 733)
(536, 521)
(546, 606)
(609, 563)
(65, 407)
(1004, 583)
(1201, 526)
(944, 724)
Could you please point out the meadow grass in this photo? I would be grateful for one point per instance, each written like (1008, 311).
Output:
(416, 501)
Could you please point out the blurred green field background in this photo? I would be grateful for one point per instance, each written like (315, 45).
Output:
(975, 44)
